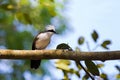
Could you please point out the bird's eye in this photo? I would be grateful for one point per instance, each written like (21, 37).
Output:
(50, 30)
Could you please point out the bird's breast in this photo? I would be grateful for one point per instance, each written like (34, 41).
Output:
(42, 41)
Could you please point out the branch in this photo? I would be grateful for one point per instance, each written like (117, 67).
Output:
(59, 54)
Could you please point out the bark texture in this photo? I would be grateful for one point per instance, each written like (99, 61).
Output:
(59, 54)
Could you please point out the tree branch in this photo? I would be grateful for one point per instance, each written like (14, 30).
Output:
(59, 54)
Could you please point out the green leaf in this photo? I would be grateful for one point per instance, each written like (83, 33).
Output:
(63, 65)
(77, 49)
(92, 67)
(77, 73)
(62, 61)
(65, 76)
(52, 0)
(81, 40)
(8, 6)
(104, 76)
(85, 77)
(27, 18)
(105, 44)
(64, 46)
(118, 68)
(95, 36)
(24, 2)
(100, 65)
(72, 71)
(118, 76)
(23, 17)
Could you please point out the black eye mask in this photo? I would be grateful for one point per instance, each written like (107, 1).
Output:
(51, 31)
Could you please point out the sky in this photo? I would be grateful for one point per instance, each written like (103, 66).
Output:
(84, 16)
(100, 15)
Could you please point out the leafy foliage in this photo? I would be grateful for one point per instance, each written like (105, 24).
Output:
(64, 46)
(95, 36)
(81, 40)
(118, 76)
(85, 77)
(100, 65)
(104, 76)
(92, 67)
(105, 44)
(20, 20)
(118, 68)
(64, 66)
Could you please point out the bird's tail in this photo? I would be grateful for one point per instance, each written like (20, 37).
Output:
(35, 64)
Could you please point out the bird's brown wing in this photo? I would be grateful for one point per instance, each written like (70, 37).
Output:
(34, 63)
(33, 44)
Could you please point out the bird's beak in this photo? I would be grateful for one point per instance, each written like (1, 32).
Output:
(55, 32)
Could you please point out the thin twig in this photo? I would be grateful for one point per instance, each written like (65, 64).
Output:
(96, 47)
(88, 46)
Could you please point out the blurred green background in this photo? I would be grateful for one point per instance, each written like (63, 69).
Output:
(20, 21)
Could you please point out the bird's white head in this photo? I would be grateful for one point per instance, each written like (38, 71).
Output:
(50, 29)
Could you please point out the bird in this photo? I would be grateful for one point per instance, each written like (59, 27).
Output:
(40, 42)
